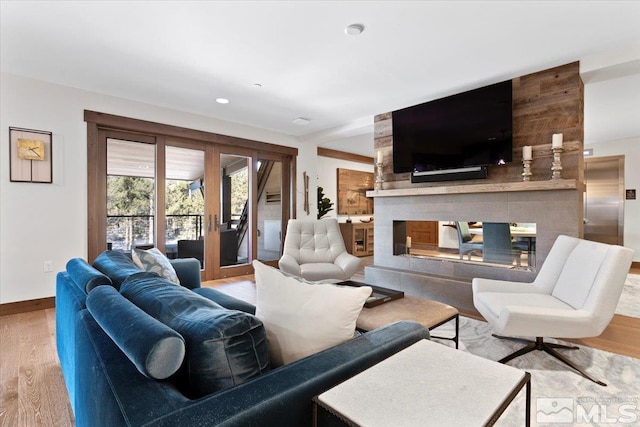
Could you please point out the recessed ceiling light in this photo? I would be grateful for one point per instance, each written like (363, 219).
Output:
(354, 29)
(258, 85)
(301, 121)
(222, 100)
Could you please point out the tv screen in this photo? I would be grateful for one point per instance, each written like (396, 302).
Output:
(472, 128)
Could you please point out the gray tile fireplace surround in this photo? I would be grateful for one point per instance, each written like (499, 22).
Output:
(555, 212)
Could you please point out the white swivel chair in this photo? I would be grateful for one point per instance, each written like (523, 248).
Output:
(314, 250)
(574, 296)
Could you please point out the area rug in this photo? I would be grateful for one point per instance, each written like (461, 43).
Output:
(629, 304)
(559, 396)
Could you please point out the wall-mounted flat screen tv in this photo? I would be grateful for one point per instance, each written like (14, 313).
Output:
(458, 133)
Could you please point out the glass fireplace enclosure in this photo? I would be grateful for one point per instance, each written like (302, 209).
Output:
(506, 245)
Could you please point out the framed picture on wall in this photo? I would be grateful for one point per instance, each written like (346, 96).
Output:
(30, 155)
(352, 192)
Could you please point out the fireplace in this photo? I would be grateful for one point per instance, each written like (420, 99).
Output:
(556, 207)
(499, 244)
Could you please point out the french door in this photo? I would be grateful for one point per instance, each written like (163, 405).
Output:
(222, 204)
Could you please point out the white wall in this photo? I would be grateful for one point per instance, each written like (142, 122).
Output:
(630, 148)
(328, 180)
(41, 222)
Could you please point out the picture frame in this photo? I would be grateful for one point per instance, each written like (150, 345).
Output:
(30, 156)
(352, 192)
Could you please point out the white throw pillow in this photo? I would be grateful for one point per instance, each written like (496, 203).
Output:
(301, 318)
(155, 261)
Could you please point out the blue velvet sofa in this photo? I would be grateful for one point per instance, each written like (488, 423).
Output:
(124, 367)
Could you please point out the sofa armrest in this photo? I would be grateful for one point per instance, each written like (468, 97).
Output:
(70, 300)
(117, 394)
(288, 264)
(188, 271)
(283, 397)
(348, 263)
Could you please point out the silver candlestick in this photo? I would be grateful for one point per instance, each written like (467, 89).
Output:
(379, 176)
(526, 170)
(556, 165)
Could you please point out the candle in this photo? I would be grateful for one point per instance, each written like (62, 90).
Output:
(408, 241)
(526, 153)
(379, 157)
(556, 140)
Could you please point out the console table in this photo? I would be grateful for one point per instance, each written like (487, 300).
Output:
(425, 384)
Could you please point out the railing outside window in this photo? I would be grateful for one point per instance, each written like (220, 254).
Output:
(127, 231)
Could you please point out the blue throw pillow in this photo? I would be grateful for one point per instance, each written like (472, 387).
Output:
(116, 265)
(85, 276)
(154, 348)
(224, 347)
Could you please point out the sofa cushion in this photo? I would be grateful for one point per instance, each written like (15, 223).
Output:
(117, 265)
(154, 348)
(155, 261)
(85, 276)
(224, 347)
(302, 318)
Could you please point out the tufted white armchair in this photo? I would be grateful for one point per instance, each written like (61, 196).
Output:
(314, 250)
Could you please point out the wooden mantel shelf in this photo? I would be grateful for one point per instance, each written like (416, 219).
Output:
(505, 187)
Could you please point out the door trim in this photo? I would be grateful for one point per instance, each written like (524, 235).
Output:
(101, 124)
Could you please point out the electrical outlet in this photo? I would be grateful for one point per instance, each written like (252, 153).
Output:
(48, 266)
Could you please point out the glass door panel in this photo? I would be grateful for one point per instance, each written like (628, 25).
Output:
(131, 195)
(184, 203)
(269, 210)
(235, 208)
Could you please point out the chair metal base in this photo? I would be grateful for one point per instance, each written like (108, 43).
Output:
(548, 348)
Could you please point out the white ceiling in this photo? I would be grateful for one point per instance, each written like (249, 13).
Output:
(183, 55)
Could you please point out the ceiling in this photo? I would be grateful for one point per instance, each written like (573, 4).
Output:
(183, 55)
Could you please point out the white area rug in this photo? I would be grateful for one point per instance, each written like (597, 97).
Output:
(559, 396)
(629, 304)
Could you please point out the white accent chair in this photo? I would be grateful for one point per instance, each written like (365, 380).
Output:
(315, 251)
(574, 296)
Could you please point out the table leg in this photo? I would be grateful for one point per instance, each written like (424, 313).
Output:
(456, 337)
(457, 329)
(527, 414)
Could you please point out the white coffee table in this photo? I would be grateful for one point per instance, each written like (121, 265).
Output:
(425, 384)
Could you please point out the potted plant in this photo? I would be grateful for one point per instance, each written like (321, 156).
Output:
(324, 203)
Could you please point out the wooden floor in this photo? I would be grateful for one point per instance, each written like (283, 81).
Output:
(32, 388)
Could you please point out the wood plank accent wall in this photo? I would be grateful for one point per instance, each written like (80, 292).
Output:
(544, 103)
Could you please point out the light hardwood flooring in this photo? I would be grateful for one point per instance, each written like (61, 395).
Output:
(32, 389)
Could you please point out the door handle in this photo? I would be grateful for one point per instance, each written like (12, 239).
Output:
(215, 223)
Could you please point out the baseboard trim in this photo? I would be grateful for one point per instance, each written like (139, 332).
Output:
(26, 306)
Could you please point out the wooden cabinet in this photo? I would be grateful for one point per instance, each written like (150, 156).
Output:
(423, 232)
(358, 238)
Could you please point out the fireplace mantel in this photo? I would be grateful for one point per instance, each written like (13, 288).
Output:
(550, 185)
